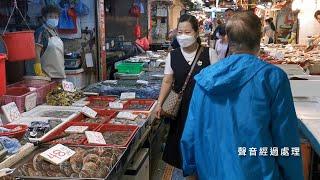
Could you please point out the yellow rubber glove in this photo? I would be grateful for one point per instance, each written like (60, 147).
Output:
(38, 69)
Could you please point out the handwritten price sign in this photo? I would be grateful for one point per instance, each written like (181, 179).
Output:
(95, 137)
(89, 112)
(128, 95)
(68, 86)
(11, 112)
(31, 101)
(57, 154)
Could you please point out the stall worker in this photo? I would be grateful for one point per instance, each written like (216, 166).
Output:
(49, 47)
(242, 123)
(178, 65)
(316, 41)
(269, 30)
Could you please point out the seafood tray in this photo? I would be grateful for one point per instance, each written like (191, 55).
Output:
(139, 121)
(104, 116)
(150, 91)
(116, 135)
(39, 128)
(100, 102)
(64, 113)
(139, 104)
(70, 139)
(88, 162)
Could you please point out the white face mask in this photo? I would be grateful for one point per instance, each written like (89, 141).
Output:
(186, 40)
(52, 22)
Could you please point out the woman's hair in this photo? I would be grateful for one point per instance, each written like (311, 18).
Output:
(193, 21)
(270, 22)
(316, 14)
(244, 32)
(50, 9)
(222, 30)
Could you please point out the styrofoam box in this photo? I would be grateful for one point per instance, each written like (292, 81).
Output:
(305, 88)
(292, 69)
(77, 77)
(27, 121)
(37, 111)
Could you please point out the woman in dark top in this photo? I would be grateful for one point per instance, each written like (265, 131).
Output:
(178, 65)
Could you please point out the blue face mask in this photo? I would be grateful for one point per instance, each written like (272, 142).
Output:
(52, 22)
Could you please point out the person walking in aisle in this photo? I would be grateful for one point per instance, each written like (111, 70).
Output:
(178, 65)
(242, 123)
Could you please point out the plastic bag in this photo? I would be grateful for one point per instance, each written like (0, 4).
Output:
(10, 144)
(81, 9)
(144, 43)
(137, 31)
(65, 21)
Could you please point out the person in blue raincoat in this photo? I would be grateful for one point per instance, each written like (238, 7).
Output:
(242, 122)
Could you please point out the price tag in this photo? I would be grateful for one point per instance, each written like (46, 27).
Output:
(81, 103)
(68, 86)
(57, 154)
(128, 95)
(11, 112)
(142, 82)
(110, 81)
(95, 137)
(89, 112)
(76, 129)
(115, 105)
(30, 101)
(127, 115)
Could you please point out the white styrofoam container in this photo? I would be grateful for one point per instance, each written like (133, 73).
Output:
(37, 111)
(77, 77)
(305, 88)
(27, 121)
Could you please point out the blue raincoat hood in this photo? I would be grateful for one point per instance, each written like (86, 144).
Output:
(229, 74)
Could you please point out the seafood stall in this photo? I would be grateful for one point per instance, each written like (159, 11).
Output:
(101, 132)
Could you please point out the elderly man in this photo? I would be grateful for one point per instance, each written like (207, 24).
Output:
(242, 122)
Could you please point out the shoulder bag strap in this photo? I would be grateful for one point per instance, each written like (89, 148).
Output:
(191, 70)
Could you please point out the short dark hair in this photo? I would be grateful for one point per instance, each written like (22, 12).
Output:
(244, 32)
(229, 9)
(222, 29)
(317, 13)
(50, 9)
(191, 19)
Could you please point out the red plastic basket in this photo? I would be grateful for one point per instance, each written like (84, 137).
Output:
(105, 115)
(94, 100)
(148, 103)
(60, 131)
(17, 95)
(42, 88)
(113, 128)
(15, 134)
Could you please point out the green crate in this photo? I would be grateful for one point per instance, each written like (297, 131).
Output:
(130, 68)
